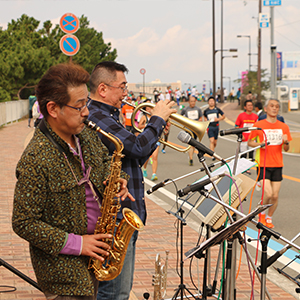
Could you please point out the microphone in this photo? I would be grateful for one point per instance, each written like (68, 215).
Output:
(199, 185)
(187, 139)
(237, 130)
(157, 186)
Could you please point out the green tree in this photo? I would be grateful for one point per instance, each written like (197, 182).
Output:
(26, 52)
(250, 83)
(92, 47)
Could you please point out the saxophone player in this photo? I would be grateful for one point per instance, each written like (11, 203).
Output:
(60, 184)
(108, 87)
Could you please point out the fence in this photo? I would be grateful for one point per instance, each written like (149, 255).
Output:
(12, 111)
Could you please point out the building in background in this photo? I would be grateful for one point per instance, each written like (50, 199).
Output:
(149, 86)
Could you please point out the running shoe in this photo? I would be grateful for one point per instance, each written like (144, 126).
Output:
(258, 186)
(154, 177)
(269, 223)
(163, 151)
(191, 162)
(145, 173)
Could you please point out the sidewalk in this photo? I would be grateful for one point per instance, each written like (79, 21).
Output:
(159, 235)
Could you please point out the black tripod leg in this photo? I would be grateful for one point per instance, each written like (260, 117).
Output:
(20, 274)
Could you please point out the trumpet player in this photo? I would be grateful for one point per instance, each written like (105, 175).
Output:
(108, 86)
(60, 186)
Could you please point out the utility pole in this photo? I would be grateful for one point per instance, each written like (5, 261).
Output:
(273, 54)
(222, 89)
(214, 48)
(259, 57)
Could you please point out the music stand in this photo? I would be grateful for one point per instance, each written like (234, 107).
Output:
(225, 233)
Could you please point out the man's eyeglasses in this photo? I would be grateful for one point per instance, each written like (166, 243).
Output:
(118, 87)
(80, 109)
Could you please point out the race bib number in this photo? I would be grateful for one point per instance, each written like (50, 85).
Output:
(212, 117)
(248, 125)
(193, 115)
(128, 115)
(274, 136)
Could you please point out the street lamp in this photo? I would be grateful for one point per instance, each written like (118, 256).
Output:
(222, 50)
(247, 36)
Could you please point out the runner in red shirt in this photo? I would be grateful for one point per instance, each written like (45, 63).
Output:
(278, 134)
(246, 119)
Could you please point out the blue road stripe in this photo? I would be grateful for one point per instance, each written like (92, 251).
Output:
(273, 244)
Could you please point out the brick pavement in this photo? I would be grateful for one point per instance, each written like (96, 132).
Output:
(159, 235)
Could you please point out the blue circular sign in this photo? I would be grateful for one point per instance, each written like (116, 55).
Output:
(69, 44)
(69, 23)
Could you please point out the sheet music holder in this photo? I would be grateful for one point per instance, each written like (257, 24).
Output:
(226, 233)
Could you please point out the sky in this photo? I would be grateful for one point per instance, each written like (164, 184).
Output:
(172, 39)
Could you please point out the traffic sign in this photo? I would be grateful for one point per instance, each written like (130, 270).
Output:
(272, 2)
(69, 44)
(142, 71)
(264, 20)
(69, 23)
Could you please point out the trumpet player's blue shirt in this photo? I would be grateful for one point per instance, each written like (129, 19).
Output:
(137, 149)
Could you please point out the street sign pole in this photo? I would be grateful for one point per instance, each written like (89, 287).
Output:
(143, 72)
(273, 55)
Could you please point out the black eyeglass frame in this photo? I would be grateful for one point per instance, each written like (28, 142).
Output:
(80, 109)
(118, 87)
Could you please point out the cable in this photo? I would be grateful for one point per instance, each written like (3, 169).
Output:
(262, 197)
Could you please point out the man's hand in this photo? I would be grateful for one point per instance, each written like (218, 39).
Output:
(164, 109)
(123, 192)
(284, 138)
(93, 246)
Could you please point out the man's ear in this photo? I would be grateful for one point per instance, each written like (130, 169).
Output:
(101, 89)
(52, 109)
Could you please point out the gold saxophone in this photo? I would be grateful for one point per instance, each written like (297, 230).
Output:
(159, 280)
(113, 264)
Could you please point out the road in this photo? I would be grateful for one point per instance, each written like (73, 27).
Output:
(174, 164)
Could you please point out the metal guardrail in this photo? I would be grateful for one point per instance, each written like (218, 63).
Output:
(13, 110)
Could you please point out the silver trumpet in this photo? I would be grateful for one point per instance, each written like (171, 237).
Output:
(159, 279)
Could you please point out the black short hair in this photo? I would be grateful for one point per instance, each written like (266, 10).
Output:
(258, 105)
(247, 101)
(105, 72)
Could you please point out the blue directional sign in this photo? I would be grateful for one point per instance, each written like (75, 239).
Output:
(272, 2)
(264, 20)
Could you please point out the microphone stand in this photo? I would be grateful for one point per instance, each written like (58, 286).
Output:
(212, 165)
(20, 274)
(265, 239)
(233, 245)
(229, 288)
(239, 141)
(208, 173)
(182, 287)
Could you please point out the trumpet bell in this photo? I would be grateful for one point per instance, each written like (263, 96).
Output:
(182, 122)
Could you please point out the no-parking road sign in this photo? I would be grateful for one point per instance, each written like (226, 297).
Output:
(69, 44)
(69, 23)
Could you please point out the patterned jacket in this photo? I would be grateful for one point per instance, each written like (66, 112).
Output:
(49, 204)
